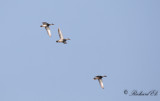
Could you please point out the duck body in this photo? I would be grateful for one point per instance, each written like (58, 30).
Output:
(99, 78)
(46, 25)
(61, 40)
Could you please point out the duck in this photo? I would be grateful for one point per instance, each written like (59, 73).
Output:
(61, 40)
(46, 25)
(99, 78)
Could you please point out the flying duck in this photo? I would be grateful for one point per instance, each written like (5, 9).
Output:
(46, 25)
(61, 40)
(100, 80)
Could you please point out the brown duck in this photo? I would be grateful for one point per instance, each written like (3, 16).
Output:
(46, 25)
(100, 80)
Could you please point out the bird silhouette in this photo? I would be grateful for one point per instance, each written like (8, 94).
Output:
(61, 40)
(99, 78)
(46, 25)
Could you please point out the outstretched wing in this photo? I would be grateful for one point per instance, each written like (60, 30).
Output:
(44, 23)
(101, 83)
(48, 31)
(60, 34)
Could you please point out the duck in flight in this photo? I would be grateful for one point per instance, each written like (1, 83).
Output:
(46, 25)
(61, 40)
(99, 78)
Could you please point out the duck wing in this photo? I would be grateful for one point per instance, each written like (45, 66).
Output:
(101, 83)
(44, 23)
(60, 34)
(48, 31)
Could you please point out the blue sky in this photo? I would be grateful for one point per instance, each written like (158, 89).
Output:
(117, 38)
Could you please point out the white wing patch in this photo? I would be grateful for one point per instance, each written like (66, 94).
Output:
(48, 31)
(60, 34)
(101, 83)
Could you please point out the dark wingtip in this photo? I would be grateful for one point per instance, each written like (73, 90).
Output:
(104, 76)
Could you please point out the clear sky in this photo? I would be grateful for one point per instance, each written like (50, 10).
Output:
(117, 38)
